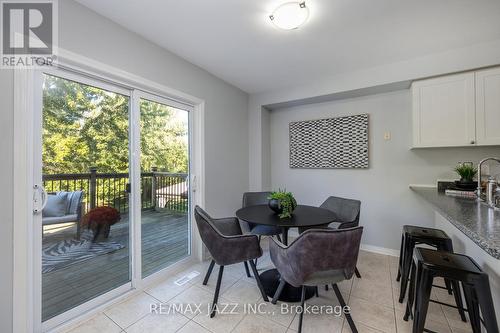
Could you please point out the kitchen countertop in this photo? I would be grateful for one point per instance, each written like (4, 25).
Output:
(475, 219)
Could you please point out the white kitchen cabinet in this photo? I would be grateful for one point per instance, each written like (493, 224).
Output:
(444, 111)
(488, 106)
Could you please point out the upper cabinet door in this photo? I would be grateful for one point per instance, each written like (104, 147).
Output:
(444, 111)
(488, 107)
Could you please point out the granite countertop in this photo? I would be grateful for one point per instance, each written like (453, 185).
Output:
(475, 219)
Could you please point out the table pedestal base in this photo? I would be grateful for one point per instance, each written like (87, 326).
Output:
(271, 279)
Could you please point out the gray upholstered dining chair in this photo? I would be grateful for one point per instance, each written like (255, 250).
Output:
(347, 212)
(227, 245)
(253, 199)
(318, 257)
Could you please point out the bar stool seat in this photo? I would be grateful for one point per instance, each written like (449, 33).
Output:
(457, 268)
(415, 235)
(424, 232)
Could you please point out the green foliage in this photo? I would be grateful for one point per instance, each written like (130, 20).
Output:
(85, 126)
(163, 139)
(467, 172)
(287, 202)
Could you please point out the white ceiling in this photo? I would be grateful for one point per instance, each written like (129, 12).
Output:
(234, 40)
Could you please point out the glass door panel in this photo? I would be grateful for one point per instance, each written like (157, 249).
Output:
(85, 170)
(164, 141)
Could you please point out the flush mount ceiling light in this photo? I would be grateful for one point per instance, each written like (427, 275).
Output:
(290, 15)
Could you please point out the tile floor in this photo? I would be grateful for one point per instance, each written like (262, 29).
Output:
(373, 302)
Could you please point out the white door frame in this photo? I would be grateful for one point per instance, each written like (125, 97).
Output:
(139, 281)
(37, 219)
(26, 316)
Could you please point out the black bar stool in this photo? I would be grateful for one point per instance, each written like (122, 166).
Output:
(457, 268)
(412, 236)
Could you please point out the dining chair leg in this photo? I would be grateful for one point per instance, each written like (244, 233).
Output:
(209, 271)
(343, 305)
(246, 269)
(278, 291)
(279, 238)
(302, 300)
(316, 291)
(217, 289)
(260, 237)
(356, 271)
(259, 283)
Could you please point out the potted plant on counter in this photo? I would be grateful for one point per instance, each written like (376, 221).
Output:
(283, 203)
(467, 171)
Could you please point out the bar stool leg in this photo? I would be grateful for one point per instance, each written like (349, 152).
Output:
(448, 247)
(408, 255)
(423, 296)
(472, 307)
(447, 283)
(486, 304)
(411, 293)
(458, 300)
(400, 257)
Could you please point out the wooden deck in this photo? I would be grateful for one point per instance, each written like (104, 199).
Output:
(165, 241)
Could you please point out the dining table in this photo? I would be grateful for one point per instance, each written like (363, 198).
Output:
(303, 216)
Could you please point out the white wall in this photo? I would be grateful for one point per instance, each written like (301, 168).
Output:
(6, 203)
(226, 132)
(387, 202)
(467, 58)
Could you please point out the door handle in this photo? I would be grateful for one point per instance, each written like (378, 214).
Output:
(128, 188)
(194, 183)
(39, 198)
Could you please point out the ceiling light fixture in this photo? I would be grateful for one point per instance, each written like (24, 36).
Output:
(290, 15)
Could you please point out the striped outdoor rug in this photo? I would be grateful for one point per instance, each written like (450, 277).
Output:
(72, 251)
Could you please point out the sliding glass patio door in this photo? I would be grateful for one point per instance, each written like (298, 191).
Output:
(85, 225)
(112, 168)
(164, 165)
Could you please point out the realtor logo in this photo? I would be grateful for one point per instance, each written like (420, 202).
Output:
(29, 33)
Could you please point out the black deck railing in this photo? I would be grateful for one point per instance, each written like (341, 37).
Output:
(159, 190)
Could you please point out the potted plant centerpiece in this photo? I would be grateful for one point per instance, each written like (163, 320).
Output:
(467, 171)
(100, 220)
(283, 203)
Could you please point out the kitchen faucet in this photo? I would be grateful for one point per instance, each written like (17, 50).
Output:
(479, 190)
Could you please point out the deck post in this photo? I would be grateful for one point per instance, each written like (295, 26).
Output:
(153, 186)
(93, 187)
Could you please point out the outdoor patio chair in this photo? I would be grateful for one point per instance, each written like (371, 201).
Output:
(63, 207)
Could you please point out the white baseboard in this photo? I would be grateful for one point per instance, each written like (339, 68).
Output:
(380, 250)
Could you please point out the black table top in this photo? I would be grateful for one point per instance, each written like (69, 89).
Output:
(302, 216)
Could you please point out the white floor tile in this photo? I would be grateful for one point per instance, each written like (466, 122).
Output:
(373, 300)
(131, 310)
(158, 323)
(192, 327)
(98, 324)
(256, 324)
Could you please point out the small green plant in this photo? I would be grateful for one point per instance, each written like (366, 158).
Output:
(286, 201)
(466, 171)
